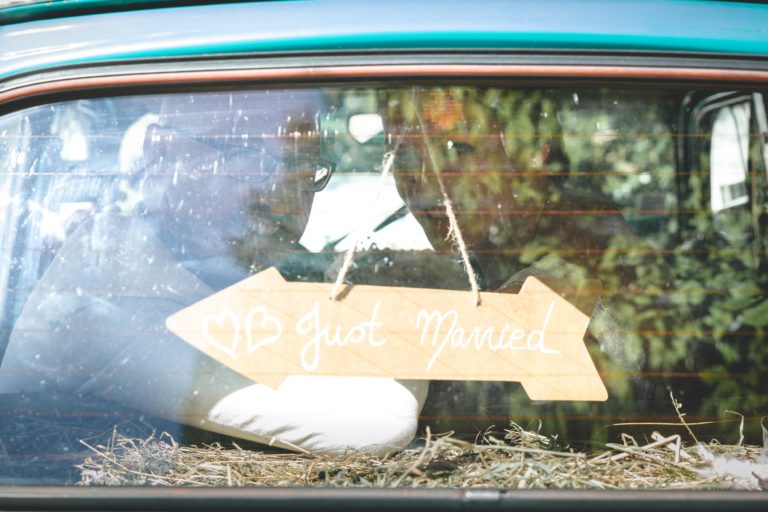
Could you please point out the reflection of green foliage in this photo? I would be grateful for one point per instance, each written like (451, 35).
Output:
(682, 292)
(683, 305)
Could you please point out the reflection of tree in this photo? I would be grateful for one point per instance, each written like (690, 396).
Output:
(720, 273)
(570, 186)
(678, 306)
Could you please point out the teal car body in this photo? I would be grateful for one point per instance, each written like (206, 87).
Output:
(87, 33)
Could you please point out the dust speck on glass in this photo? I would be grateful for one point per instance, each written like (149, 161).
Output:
(118, 212)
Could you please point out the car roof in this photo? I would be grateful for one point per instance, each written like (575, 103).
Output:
(147, 32)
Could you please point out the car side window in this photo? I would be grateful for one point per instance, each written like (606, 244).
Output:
(142, 237)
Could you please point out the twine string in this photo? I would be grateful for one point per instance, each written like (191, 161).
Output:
(454, 232)
(386, 166)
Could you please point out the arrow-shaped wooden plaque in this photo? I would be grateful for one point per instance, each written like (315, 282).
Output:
(268, 329)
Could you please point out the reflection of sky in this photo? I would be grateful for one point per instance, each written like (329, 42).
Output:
(349, 204)
(37, 30)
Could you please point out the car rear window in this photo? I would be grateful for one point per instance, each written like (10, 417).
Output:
(342, 270)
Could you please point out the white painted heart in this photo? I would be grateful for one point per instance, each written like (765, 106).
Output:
(220, 321)
(268, 322)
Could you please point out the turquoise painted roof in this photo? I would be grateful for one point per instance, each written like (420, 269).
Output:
(302, 25)
(17, 11)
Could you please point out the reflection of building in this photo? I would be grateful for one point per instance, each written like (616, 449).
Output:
(730, 142)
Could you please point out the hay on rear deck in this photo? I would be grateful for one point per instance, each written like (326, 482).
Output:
(522, 460)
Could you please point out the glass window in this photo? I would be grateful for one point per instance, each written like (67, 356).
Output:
(641, 208)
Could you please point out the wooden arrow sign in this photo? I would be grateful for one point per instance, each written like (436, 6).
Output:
(267, 329)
